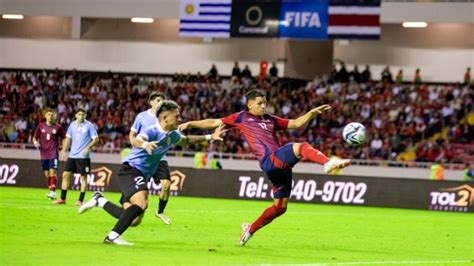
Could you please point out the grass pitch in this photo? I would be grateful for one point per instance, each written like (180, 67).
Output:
(206, 232)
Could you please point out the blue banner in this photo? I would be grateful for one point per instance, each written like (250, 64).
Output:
(304, 19)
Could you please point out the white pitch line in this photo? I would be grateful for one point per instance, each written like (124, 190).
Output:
(381, 262)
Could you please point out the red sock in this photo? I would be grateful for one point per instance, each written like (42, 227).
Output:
(52, 184)
(48, 182)
(267, 217)
(313, 155)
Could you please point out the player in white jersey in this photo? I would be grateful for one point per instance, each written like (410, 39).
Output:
(140, 165)
(142, 121)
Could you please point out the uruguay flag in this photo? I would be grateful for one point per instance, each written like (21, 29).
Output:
(205, 18)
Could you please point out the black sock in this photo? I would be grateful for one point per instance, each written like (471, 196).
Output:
(63, 194)
(81, 196)
(127, 218)
(113, 209)
(162, 205)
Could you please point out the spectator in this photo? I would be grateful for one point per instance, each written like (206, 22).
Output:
(417, 77)
(246, 73)
(213, 75)
(273, 71)
(386, 75)
(366, 75)
(399, 77)
(401, 114)
(236, 70)
(342, 74)
(467, 76)
(355, 75)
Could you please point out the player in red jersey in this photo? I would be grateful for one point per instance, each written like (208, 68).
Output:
(47, 137)
(276, 161)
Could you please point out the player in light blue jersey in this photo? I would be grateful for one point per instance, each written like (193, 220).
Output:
(140, 165)
(144, 120)
(81, 136)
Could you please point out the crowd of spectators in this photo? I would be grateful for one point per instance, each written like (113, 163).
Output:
(397, 115)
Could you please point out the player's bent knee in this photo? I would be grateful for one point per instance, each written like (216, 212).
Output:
(142, 204)
(281, 210)
(137, 221)
(165, 185)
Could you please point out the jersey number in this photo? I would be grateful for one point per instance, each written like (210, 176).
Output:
(263, 125)
(139, 180)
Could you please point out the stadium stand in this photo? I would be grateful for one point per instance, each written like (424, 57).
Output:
(405, 121)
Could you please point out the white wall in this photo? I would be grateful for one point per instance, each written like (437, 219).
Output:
(391, 11)
(144, 57)
(442, 51)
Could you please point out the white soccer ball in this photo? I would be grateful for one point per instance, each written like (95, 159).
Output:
(354, 133)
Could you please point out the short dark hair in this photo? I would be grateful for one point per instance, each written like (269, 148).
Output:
(155, 95)
(166, 105)
(253, 94)
(78, 110)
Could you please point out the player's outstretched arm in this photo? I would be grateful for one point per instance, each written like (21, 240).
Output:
(304, 119)
(191, 139)
(201, 124)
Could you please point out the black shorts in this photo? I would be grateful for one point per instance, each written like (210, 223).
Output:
(163, 172)
(79, 165)
(130, 181)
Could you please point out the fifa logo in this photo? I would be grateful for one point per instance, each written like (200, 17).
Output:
(452, 199)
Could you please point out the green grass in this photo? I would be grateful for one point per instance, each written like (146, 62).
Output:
(206, 231)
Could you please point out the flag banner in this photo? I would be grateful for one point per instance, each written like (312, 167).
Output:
(304, 19)
(259, 18)
(205, 18)
(295, 19)
(354, 19)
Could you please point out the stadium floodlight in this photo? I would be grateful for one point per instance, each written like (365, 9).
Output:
(12, 16)
(414, 24)
(142, 20)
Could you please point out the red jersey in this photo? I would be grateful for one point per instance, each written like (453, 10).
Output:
(259, 131)
(49, 138)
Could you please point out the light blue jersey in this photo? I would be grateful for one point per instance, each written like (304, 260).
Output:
(143, 121)
(148, 164)
(81, 134)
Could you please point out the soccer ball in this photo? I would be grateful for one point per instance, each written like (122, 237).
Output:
(354, 133)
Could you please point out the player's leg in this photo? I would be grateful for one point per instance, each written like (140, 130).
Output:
(52, 172)
(83, 167)
(45, 169)
(98, 200)
(281, 180)
(277, 167)
(69, 168)
(47, 179)
(137, 221)
(163, 174)
(139, 203)
(308, 152)
(133, 186)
